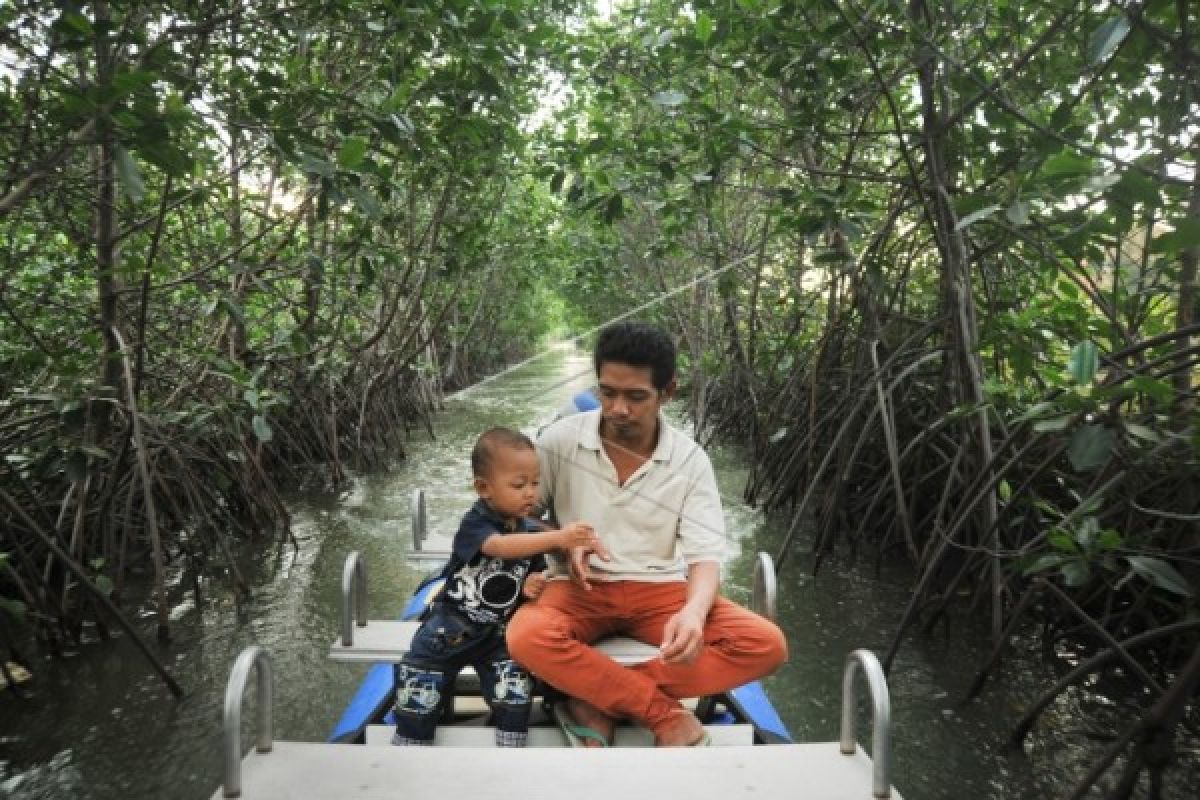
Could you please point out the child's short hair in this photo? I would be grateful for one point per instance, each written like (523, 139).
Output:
(489, 442)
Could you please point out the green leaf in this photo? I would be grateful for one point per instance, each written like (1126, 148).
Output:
(1158, 390)
(975, 216)
(1084, 362)
(1045, 562)
(1054, 424)
(1143, 432)
(1067, 163)
(1036, 410)
(366, 201)
(1134, 188)
(1185, 236)
(704, 27)
(1091, 445)
(669, 99)
(14, 607)
(1076, 573)
(1018, 213)
(1160, 574)
(1088, 530)
(251, 398)
(233, 309)
(129, 176)
(78, 23)
(318, 166)
(354, 150)
(104, 584)
(261, 429)
(1106, 39)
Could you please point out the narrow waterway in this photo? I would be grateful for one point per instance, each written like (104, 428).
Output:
(100, 725)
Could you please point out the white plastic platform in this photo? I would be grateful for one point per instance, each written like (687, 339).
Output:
(308, 771)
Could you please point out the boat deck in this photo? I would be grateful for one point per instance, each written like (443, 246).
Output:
(309, 771)
(468, 764)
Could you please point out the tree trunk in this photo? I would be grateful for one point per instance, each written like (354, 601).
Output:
(108, 287)
(958, 299)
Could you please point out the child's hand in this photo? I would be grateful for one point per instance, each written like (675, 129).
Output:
(535, 584)
(581, 542)
(578, 534)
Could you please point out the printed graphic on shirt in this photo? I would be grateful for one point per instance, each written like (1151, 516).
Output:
(487, 591)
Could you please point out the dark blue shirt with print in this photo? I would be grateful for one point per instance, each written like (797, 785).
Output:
(479, 587)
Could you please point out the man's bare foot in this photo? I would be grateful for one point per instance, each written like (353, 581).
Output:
(681, 729)
(588, 716)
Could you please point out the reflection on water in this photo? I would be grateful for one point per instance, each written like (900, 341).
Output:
(101, 726)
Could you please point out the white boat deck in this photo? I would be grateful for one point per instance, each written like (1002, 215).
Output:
(469, 765)
(309, 771)
(387, 640)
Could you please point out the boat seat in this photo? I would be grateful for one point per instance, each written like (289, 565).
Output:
(388, 640)
(626, 736)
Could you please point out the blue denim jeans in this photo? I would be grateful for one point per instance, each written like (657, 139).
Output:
(442, 646)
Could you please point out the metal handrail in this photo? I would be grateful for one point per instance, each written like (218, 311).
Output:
(354, 596)
(881, 716)
(420, 518)
(253, 657)
(762, 590)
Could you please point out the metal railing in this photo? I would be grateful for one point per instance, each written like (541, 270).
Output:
(881, 716)
(354, 596)
(252, 658)
(762, 590)
(420, 518)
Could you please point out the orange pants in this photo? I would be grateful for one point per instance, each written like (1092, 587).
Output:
(550, 638)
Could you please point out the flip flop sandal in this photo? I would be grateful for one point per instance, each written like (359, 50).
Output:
(578, 735)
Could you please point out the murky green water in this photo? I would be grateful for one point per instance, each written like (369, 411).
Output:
(100, 725)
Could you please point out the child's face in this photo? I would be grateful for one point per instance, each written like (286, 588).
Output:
(511, 483)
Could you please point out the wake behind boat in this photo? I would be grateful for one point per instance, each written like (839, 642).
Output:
(752, 753)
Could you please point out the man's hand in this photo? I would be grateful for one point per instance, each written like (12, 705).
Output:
(577, 562)
(535, 584)
(683, 637)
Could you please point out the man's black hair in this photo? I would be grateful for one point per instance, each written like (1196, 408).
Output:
(638, 344)
(491, 440)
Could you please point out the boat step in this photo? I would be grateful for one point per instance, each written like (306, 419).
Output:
(387, 640)
(467, 701)
(626, 736)
(429, 555)
(312, 771)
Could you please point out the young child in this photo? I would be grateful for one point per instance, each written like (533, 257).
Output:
(489, 570)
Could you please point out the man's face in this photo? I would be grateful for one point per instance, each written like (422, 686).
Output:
(629, 403)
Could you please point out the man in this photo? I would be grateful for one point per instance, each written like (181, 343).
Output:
(649, 492)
